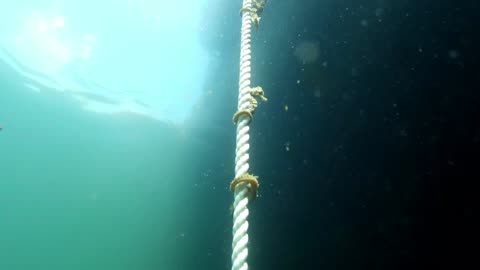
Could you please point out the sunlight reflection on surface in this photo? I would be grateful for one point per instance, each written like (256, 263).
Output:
(138, 56)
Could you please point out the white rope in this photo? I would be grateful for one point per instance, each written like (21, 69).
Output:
(240, 213)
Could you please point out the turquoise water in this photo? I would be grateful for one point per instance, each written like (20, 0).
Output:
(84, 191)
(98, 167)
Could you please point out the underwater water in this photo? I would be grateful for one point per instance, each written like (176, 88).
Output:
(80, 191)
(117, 145)
(98, 164)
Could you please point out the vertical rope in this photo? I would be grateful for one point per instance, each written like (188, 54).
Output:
(240, 213)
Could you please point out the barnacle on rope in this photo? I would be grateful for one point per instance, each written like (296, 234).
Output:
(250, 179)
(255, 11)
(247, 113)
(256, 92)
